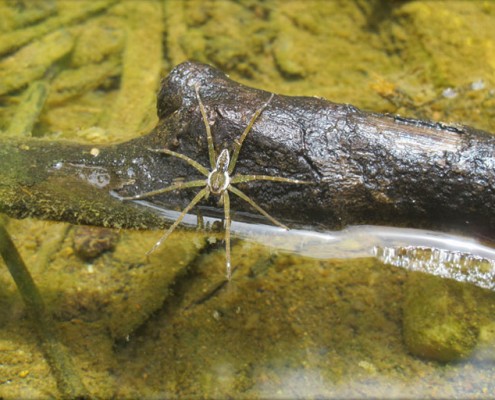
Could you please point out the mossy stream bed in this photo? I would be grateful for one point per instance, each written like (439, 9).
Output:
(286, 326)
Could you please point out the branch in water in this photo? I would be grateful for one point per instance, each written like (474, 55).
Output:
(367, 168)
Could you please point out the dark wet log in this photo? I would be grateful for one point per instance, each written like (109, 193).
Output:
(367, 168)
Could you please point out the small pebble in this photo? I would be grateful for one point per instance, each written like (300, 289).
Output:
(90, 242)
(449, 93)
(478, 85)
(23, 373)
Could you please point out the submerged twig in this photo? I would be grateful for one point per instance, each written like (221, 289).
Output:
(12, 40)
(36, 58)
(68, 381)
(139, 79)
(29, 109)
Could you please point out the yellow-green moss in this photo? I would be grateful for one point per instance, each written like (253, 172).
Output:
(440, 319)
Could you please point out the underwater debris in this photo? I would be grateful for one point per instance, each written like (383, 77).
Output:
(68, 381)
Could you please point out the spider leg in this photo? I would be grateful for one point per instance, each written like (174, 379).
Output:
(209, 137)
(202, 193)
(250, 178)
(226, 207)
(175, 186)
(238, 143)
(256, 206)
(190, 161)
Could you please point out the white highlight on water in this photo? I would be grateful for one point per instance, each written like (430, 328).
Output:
(449, 256)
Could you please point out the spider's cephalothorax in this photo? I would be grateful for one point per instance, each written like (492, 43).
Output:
(218, 181)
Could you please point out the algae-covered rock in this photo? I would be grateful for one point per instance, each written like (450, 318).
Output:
(438, 318)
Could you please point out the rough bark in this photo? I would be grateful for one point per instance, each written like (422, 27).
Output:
(366, 168)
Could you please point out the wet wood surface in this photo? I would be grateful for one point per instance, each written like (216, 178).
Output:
(366, 168)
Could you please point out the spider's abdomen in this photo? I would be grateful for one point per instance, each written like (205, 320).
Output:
(223, 161)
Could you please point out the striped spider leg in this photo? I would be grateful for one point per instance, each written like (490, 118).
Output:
(218, 182)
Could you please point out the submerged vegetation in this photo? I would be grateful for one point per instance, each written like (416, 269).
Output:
(286, 326)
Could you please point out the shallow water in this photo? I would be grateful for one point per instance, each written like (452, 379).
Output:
(321, 317)
(455, 257)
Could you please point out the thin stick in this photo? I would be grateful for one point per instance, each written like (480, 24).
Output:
(256, 206)
(202, 193)
(68, 381)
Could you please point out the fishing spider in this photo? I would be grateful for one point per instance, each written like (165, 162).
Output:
(218, 181)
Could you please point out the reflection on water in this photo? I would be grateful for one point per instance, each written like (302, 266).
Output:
(448, 256)
(462, 267)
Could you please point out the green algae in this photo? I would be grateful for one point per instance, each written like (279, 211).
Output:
(29, 109)
(440, 319)
(66, 15)
(285, 326)
(35, 59)
(141, 67)
(348, 52)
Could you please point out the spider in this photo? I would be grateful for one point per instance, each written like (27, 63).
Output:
(219, 181)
